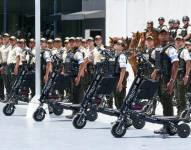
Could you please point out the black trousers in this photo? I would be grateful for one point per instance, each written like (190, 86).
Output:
(165, 99)
(1, 87)
(77, 92)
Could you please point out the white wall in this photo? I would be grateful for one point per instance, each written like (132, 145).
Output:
(126, 16)
(116, 19)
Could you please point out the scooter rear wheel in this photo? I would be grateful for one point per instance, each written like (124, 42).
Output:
(39, 114)
(183, 130)
(57, 109)
(118, 130)
(137, 122)
(79, 121)
(9, 109)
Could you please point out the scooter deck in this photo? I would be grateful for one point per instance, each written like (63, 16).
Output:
(170, 118)
(70, 106)
(108, 111)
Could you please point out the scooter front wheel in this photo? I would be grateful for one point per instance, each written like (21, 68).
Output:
(79, 121)
(39, 114)
(9, 109)
(183, 130)
(118, 130)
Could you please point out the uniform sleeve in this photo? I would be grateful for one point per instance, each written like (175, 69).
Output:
(172, 54)
(47, 56)
(122, 61)
(189, 30)
(18, 51)
(186, 55)
(79, 57)
(153, 54)
(64, 55)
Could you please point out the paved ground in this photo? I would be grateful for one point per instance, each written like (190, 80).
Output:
(57, 133)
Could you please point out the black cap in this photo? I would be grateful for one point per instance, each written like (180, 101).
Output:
(185, 18)
(150, 22)
(161, 18)
(171, 21)
(177, 21)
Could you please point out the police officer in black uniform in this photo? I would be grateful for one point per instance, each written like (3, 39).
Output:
(75, 59)
(166, 67)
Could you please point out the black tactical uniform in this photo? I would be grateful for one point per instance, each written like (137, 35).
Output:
(164, 56)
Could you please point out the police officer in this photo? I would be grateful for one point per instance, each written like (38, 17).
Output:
(188, 46)
(166, 67)
(151, 31)
(58, 48)
(1, 41)
(161, 21)
(13, 60)
(45, 61)
(186, 29)
(4, 55)
(1, 78)
(120, 71)
(170, 24)
(150, 46)
(84, 44)
(75, 56)
(183, 74)
(175, 29)
(50, 44)
(171, 27)
(25, 57)
(66, 45)
(80, 46)
(99, 42)
(89, 71)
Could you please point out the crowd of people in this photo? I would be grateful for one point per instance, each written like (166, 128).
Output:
(168, 49)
